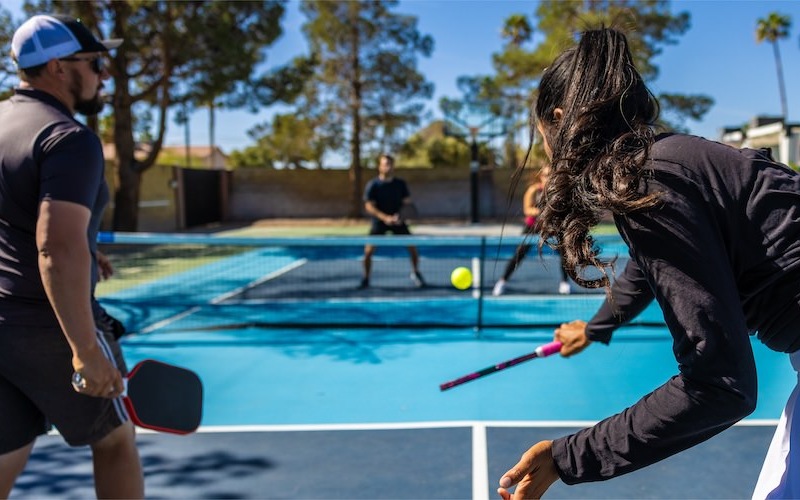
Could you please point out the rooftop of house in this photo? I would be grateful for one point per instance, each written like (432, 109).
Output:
(142, 149)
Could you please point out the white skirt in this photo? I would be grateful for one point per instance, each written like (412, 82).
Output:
(780, 474)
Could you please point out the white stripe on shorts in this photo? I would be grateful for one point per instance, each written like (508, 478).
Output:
(119, 406)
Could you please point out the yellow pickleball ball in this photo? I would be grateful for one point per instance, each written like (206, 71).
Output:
(461, 278)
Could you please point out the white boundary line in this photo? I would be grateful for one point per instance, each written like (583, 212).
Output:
(254, 283)
(429, 425)
(225, 296)
(451, 424)
(480, 463)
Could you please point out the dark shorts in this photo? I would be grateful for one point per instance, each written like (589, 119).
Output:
(381, 228)
(36, 393)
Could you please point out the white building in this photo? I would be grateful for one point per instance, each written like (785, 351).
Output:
(782, 138)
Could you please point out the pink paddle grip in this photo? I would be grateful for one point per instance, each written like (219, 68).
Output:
(548, 349)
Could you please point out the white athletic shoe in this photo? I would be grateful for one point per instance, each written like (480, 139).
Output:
(564, 288)
(499, 288)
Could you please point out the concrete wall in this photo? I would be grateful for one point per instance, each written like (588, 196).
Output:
(438, 193)
(157, 201)
(257, 193)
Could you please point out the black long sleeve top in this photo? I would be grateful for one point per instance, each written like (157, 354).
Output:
(721, 255)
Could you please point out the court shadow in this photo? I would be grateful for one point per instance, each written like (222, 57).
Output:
(172, 465)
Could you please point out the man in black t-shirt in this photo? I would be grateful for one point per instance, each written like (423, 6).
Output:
(384, 197)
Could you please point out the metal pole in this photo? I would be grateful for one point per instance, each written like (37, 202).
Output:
(473, 180)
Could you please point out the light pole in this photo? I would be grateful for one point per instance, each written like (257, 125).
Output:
(473, 176)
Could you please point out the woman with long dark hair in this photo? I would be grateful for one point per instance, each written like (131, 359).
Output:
(714, 238)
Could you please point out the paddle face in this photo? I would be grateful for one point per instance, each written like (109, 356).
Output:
(408, 211)
(164, 397)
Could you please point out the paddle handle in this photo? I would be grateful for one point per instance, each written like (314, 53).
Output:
(547, 349)
(540, 352)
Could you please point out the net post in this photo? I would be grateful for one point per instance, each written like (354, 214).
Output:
(479, 279)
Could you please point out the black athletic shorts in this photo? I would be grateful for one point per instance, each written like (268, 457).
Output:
(379, 227)
(36, 392)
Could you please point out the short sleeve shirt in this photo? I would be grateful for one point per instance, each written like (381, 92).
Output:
(45, 154)
(387, 195)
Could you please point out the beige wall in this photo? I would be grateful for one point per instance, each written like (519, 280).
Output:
(257, 193)
(157, 209)
(438, 193)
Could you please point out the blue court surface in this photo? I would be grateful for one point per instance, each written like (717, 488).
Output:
(330, 415)
(356, 412)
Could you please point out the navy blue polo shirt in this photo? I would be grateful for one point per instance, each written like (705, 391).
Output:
(45, 154)
(387, 195)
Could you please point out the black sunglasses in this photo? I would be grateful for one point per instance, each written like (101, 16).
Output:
(97, 64)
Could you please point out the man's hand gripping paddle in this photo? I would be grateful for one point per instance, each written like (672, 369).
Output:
(161, 397)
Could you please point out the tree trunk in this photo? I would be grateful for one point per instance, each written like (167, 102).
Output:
(355, 112)
(781, 84)
(126, 198)
(212, 125)
(187, 137)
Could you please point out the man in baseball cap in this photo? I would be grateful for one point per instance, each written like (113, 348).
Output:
(54, 36)
(52, 197)
(48, 37)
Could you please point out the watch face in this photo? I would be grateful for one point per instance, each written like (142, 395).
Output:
(78, 382)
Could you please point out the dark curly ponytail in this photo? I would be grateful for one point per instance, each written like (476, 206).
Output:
(599, 141)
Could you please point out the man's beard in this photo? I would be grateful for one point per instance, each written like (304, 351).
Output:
(90, 107)
(86, 107)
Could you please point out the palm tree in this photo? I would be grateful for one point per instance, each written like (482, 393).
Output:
(773, 28)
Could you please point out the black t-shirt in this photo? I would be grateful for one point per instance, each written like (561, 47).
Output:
(721, 255)
(44, 154)
(387, 195)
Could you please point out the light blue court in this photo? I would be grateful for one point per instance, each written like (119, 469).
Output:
(280, 377)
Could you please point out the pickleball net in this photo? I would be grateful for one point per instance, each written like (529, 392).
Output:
(183, 282)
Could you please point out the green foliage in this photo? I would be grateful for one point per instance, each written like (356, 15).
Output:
(367, 80)
(175, 53)
(179, 159)
(772, 28)
(367, 58)
(7, 69)
(649, 24)
(282, 84)
(683, 107)
(229, 37)
(289, 141)
(251, 156)
(448, 152)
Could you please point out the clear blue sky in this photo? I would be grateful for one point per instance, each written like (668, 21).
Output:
(718, 57)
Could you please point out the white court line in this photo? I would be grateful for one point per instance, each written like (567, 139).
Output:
(454, 424)
(430, 425)
(225, 296)
(480, 463)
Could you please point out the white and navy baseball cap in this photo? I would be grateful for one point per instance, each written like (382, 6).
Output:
(53, 36)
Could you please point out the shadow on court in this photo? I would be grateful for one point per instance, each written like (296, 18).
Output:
(419, 463)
